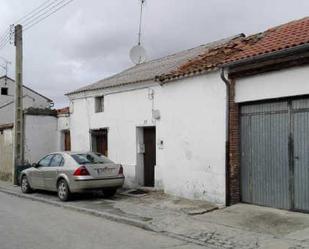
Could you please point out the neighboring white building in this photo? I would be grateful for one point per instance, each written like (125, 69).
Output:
(31, 99)
(45, 130)
(171, 137)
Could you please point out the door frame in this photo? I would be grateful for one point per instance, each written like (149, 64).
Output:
(140, 167)
(65, 134)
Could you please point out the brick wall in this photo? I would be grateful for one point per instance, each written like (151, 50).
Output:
(233, 173)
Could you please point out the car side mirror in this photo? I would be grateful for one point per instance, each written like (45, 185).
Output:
(35, 165)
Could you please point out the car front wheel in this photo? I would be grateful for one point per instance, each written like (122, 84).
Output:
(63, 190)
(25, 186)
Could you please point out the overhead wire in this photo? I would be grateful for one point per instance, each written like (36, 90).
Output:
(37, 9)
(39, 13)
(5, 35)
(5, 41)
(34, 17)
(42, 17)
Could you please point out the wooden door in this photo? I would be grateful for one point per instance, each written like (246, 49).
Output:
(101, 144)
(149, 156)
(67, 141)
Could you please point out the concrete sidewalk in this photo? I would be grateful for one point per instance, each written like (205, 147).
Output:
(239, 226)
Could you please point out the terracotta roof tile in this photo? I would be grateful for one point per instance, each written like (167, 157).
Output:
(285, 36)
(65, 110)
(282, 37)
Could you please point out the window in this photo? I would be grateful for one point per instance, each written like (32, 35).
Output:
(90, 158)
(99, 104)
(45, 161)
(4, 91)
(57, 161)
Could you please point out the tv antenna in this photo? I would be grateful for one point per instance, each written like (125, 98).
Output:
(5, 67)
(138, 53)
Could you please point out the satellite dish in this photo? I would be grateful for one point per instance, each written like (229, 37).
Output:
(138, 54)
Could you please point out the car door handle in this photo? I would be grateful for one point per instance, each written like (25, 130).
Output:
(296, 157)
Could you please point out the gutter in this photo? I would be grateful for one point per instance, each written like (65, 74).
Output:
(227, 136)
(6, 126)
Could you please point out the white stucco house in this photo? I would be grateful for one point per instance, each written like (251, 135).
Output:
(171, 136)
(220, 122)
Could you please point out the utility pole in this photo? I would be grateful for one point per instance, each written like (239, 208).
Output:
(18, 124)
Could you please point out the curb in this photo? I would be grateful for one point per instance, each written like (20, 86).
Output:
(105, 215)
(108, 216)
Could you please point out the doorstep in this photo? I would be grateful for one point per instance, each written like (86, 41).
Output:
(157, 199)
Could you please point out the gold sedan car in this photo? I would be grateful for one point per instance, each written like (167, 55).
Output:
(73, 172)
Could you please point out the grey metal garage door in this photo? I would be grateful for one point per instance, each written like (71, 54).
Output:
(275, 154)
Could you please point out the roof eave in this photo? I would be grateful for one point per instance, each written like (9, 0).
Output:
(109, 87)
(164, 80)
(267, 56)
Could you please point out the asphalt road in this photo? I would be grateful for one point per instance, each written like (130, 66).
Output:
(26, 224)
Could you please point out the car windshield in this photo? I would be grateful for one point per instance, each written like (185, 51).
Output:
(90, 158)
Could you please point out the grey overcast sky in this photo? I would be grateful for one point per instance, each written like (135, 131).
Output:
(89, 40)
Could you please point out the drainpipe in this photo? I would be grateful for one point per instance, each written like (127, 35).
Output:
(227, 135)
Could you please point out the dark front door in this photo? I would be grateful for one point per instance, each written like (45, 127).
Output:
(102, 144)
(67, 141)
(149, 156)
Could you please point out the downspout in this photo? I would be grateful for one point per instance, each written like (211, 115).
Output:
(227, 136)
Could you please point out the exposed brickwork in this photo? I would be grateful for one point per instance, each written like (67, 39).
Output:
(234, 149)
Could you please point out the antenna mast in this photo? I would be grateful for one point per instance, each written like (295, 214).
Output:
(138, 53)
(5, 67)
(140, 23)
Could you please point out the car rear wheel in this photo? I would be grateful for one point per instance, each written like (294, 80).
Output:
(25, 186)
(109, 192)
(63, 190)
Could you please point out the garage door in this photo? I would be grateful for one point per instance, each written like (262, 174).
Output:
(275, 154)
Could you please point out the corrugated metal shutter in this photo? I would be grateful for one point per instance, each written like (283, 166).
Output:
(301, 153)
(275, 154)
(264, 157)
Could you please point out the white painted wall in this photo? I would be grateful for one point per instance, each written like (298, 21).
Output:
(6, 153)
(193, 130)
(7, 105)
(40, 137)
(283, 83)
(191, 162)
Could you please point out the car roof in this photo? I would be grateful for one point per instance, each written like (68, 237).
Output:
(70, 152)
